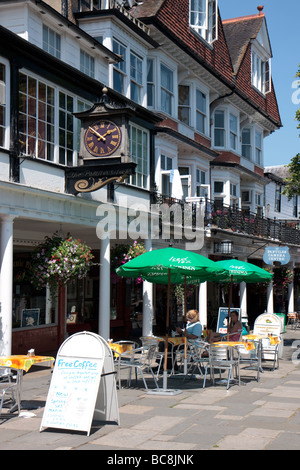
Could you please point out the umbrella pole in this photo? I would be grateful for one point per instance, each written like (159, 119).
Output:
(167, 331)
(185, 332)
(229, 306)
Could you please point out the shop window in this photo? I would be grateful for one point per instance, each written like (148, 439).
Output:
(31, 308)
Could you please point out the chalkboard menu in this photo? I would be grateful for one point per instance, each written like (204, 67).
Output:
(76, 391)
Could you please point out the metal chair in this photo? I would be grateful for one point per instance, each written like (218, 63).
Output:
(139, 359)
(10, 384)
(197, 359)
(292, 319)
(154, 340)
(223, 358)
(270, 352)
(252, 358)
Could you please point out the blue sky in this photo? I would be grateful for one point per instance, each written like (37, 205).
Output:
(283, 26)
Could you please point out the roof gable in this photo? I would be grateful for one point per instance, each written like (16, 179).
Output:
(240, 31)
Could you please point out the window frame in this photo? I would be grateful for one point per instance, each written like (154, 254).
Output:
(87, 63)
(46, 43)
(261, 78)
(144, 160)
(5, 106)
(120, 68)
(208, 30)
(76, 124)
(136, 83)
(165, 91)
(200, 112)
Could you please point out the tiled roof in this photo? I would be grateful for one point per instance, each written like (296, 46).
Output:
(238, 33)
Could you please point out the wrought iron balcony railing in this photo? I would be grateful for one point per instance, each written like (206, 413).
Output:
(237, 220)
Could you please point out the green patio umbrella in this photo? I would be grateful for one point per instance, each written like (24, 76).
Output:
(236, 271)
(168, 266)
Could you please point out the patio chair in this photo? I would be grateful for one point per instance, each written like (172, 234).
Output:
(292, 319)
(223, 358)
(160, 354)
(270, 352)
(198, 360)
(139, 359)
(10, 389)
(252, 358)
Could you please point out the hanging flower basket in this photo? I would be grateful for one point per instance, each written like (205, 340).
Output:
(283, 277)
(121, 254)
(59, 260)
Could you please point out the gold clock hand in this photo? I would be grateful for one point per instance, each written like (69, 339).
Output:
(109, 132)
(97, 133)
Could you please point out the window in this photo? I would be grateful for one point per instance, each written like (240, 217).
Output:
(233, 131)
(150, 83)
(218, 187)
(219, 131)
(278, 198)
(261, 73)
(185, 177)
(2, 104)
(136, 77)
(204, 18)
(87, 64)
(36, 118)
(166, 165)
(233, 190)
(184, 110)
(66, 129)
(258, 148)
(166, 89)
(47, 127)
(201, 187)
(139, 155)
(246, 143)
(51, 42)
(119, 70)
(200, 111)
(295, 206)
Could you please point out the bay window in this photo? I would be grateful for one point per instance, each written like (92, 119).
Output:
(48, 128)
(150, 83)
(119, 69)
(3, 104)
(184, 109)
(258, 148)
(200, 111)
(233, 122)
(219, 128)
(136, 77)
(139, 150)
(167, 89)
(246, 143)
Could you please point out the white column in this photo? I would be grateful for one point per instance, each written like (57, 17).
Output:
(203, 303)
(104, 289)
(291, 300)
(147, 301)
(6, 285)
(243, 300)
(270, 298)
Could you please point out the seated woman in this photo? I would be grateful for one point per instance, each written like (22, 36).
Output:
(235, 330)
(193, 327)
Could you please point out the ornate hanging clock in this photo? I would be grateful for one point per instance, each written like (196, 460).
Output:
(102, 138)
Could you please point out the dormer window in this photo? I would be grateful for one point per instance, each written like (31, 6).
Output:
(261, 73)
(204, 18)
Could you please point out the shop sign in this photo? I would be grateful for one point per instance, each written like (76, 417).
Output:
(276, 253)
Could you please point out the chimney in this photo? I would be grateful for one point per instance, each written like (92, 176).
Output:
(260, 9)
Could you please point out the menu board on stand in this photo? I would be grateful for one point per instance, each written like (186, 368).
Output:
(83, 385)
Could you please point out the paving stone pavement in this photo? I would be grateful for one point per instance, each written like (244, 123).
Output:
(262, 415)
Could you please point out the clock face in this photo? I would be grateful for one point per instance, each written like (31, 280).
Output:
(102, 138)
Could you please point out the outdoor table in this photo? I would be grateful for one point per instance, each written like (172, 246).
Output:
(176, 340)
(273, 339)
(119, 349)
(22, 363)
